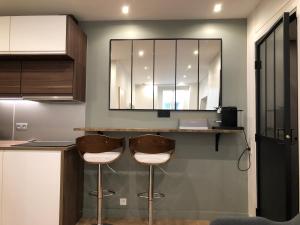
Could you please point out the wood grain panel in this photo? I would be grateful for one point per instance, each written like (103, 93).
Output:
(47, 77)
(76, 48)
(10, 78)
(72, 190)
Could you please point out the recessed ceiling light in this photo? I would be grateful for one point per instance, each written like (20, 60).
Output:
(184, 76)
(146, 68)
(141, 53)
(189, 66)
(218, 7)
(125, 9)
(196, 52)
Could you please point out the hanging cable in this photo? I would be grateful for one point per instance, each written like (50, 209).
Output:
(247, 153)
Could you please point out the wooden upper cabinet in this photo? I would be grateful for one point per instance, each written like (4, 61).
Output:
(47, 77)
(10, 78)
(38, 34)
(52, 51)
(4, 34)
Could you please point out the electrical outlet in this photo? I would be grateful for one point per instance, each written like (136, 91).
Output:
(123, 201)
(21, 126)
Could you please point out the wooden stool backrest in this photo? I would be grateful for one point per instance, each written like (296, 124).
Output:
(151, 144)
(99, 144)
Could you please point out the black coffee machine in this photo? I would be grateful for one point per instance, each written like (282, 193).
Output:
(229, 117)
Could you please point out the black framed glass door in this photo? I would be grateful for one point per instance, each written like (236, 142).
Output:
(277, 122)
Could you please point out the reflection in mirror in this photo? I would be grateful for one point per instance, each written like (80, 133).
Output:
(178, 74)
(120, 75)
(187, 75)
(142, 74)
(209, 74)
(164, 74)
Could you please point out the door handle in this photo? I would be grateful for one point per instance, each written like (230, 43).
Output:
(280, 134)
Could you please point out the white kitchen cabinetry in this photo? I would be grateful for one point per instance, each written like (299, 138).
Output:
(38, 34)
(4, 34)
(31, 189)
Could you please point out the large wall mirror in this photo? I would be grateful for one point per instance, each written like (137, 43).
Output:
(161, 74)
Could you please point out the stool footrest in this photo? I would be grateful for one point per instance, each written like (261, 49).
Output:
(156, 195)
(101, 224)
(106, 193)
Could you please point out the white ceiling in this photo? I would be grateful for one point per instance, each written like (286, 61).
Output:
(139, 9)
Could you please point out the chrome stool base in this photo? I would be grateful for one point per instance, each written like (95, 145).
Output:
(156, 195)
(106, 193)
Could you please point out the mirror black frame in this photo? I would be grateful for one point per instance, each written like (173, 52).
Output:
(171, 39)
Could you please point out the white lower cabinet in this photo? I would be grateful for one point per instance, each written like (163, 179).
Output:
(1, 164)
(31, 185)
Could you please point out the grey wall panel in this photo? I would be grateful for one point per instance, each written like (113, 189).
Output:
(46, 121)
(49, 121)
(200, 182)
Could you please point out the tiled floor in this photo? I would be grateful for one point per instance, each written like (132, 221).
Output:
(140, 222)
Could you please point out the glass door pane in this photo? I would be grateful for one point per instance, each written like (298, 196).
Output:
(262, 90)
(270, 132)
(279, 84)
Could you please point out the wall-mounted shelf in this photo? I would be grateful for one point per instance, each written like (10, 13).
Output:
(216, 131)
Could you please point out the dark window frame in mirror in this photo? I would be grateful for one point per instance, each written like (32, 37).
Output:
(175, 75)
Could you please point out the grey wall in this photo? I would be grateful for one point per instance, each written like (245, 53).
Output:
(46, 121)
(200, 182)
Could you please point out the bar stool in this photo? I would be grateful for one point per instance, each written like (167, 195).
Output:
(151, 150)
(99, 150)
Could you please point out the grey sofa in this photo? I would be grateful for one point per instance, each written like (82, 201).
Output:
(254, 221)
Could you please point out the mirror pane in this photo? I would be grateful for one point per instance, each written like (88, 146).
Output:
(142, 74)
(181, 74)
(164, 74)
(120, 75)
(187, 75)
(209, 74)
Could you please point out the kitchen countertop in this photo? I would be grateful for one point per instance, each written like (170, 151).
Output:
(161, 130)
(8, 145)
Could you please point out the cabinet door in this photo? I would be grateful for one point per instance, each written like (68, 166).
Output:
(10, 78)
(1, 166)
(47, 77)
(31, 187)
(4, 34)
(38, 34)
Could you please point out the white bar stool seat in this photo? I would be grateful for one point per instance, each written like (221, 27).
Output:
(152, 158)
(102, 158)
